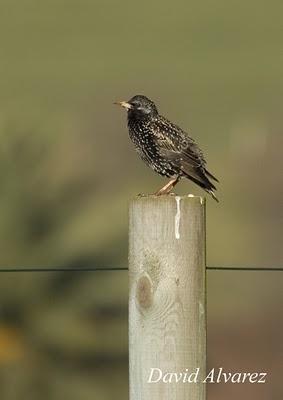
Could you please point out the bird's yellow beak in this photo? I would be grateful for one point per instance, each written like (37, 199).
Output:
(124, 104)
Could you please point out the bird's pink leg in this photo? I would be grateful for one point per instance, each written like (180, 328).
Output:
(168, 187)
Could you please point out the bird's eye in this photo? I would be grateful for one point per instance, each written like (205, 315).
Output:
(137, 106)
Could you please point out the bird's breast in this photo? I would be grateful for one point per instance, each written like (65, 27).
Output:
(144, 138)
(140, 133)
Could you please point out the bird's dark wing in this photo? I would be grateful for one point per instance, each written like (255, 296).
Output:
(181, 150)
(176, 144)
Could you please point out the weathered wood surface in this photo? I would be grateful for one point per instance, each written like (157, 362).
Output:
(167, 300)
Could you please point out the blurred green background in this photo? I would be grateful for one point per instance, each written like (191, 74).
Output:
(68, 172)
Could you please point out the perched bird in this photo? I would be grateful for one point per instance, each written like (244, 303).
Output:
(165, 147)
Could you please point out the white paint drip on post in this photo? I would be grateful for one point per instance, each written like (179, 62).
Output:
(167, 300)
(177, 218)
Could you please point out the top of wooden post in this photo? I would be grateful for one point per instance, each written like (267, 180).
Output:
(167, 213)
(170, 197)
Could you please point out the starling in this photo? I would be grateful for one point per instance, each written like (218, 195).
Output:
(165, 147)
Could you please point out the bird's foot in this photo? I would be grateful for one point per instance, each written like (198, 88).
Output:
(168, 187)
(161, 192)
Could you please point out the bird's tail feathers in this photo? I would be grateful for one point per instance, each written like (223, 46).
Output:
(211, 192)
(202, 180)
(210, 175)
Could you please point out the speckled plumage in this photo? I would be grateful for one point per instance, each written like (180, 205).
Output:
(165, 147)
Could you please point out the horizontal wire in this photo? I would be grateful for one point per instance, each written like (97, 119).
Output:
(89, 269)
(60, 269)
(245, 268)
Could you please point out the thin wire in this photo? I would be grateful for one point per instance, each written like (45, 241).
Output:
(89, 269)
(60, 269)
(245, 268)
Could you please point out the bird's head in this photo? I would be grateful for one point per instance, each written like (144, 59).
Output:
(139, 107)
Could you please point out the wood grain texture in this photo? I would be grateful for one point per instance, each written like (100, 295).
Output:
(167, 299)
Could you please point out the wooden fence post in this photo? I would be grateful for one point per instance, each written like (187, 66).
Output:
(167, 299)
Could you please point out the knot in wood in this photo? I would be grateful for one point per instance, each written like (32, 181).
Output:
(144, 292)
